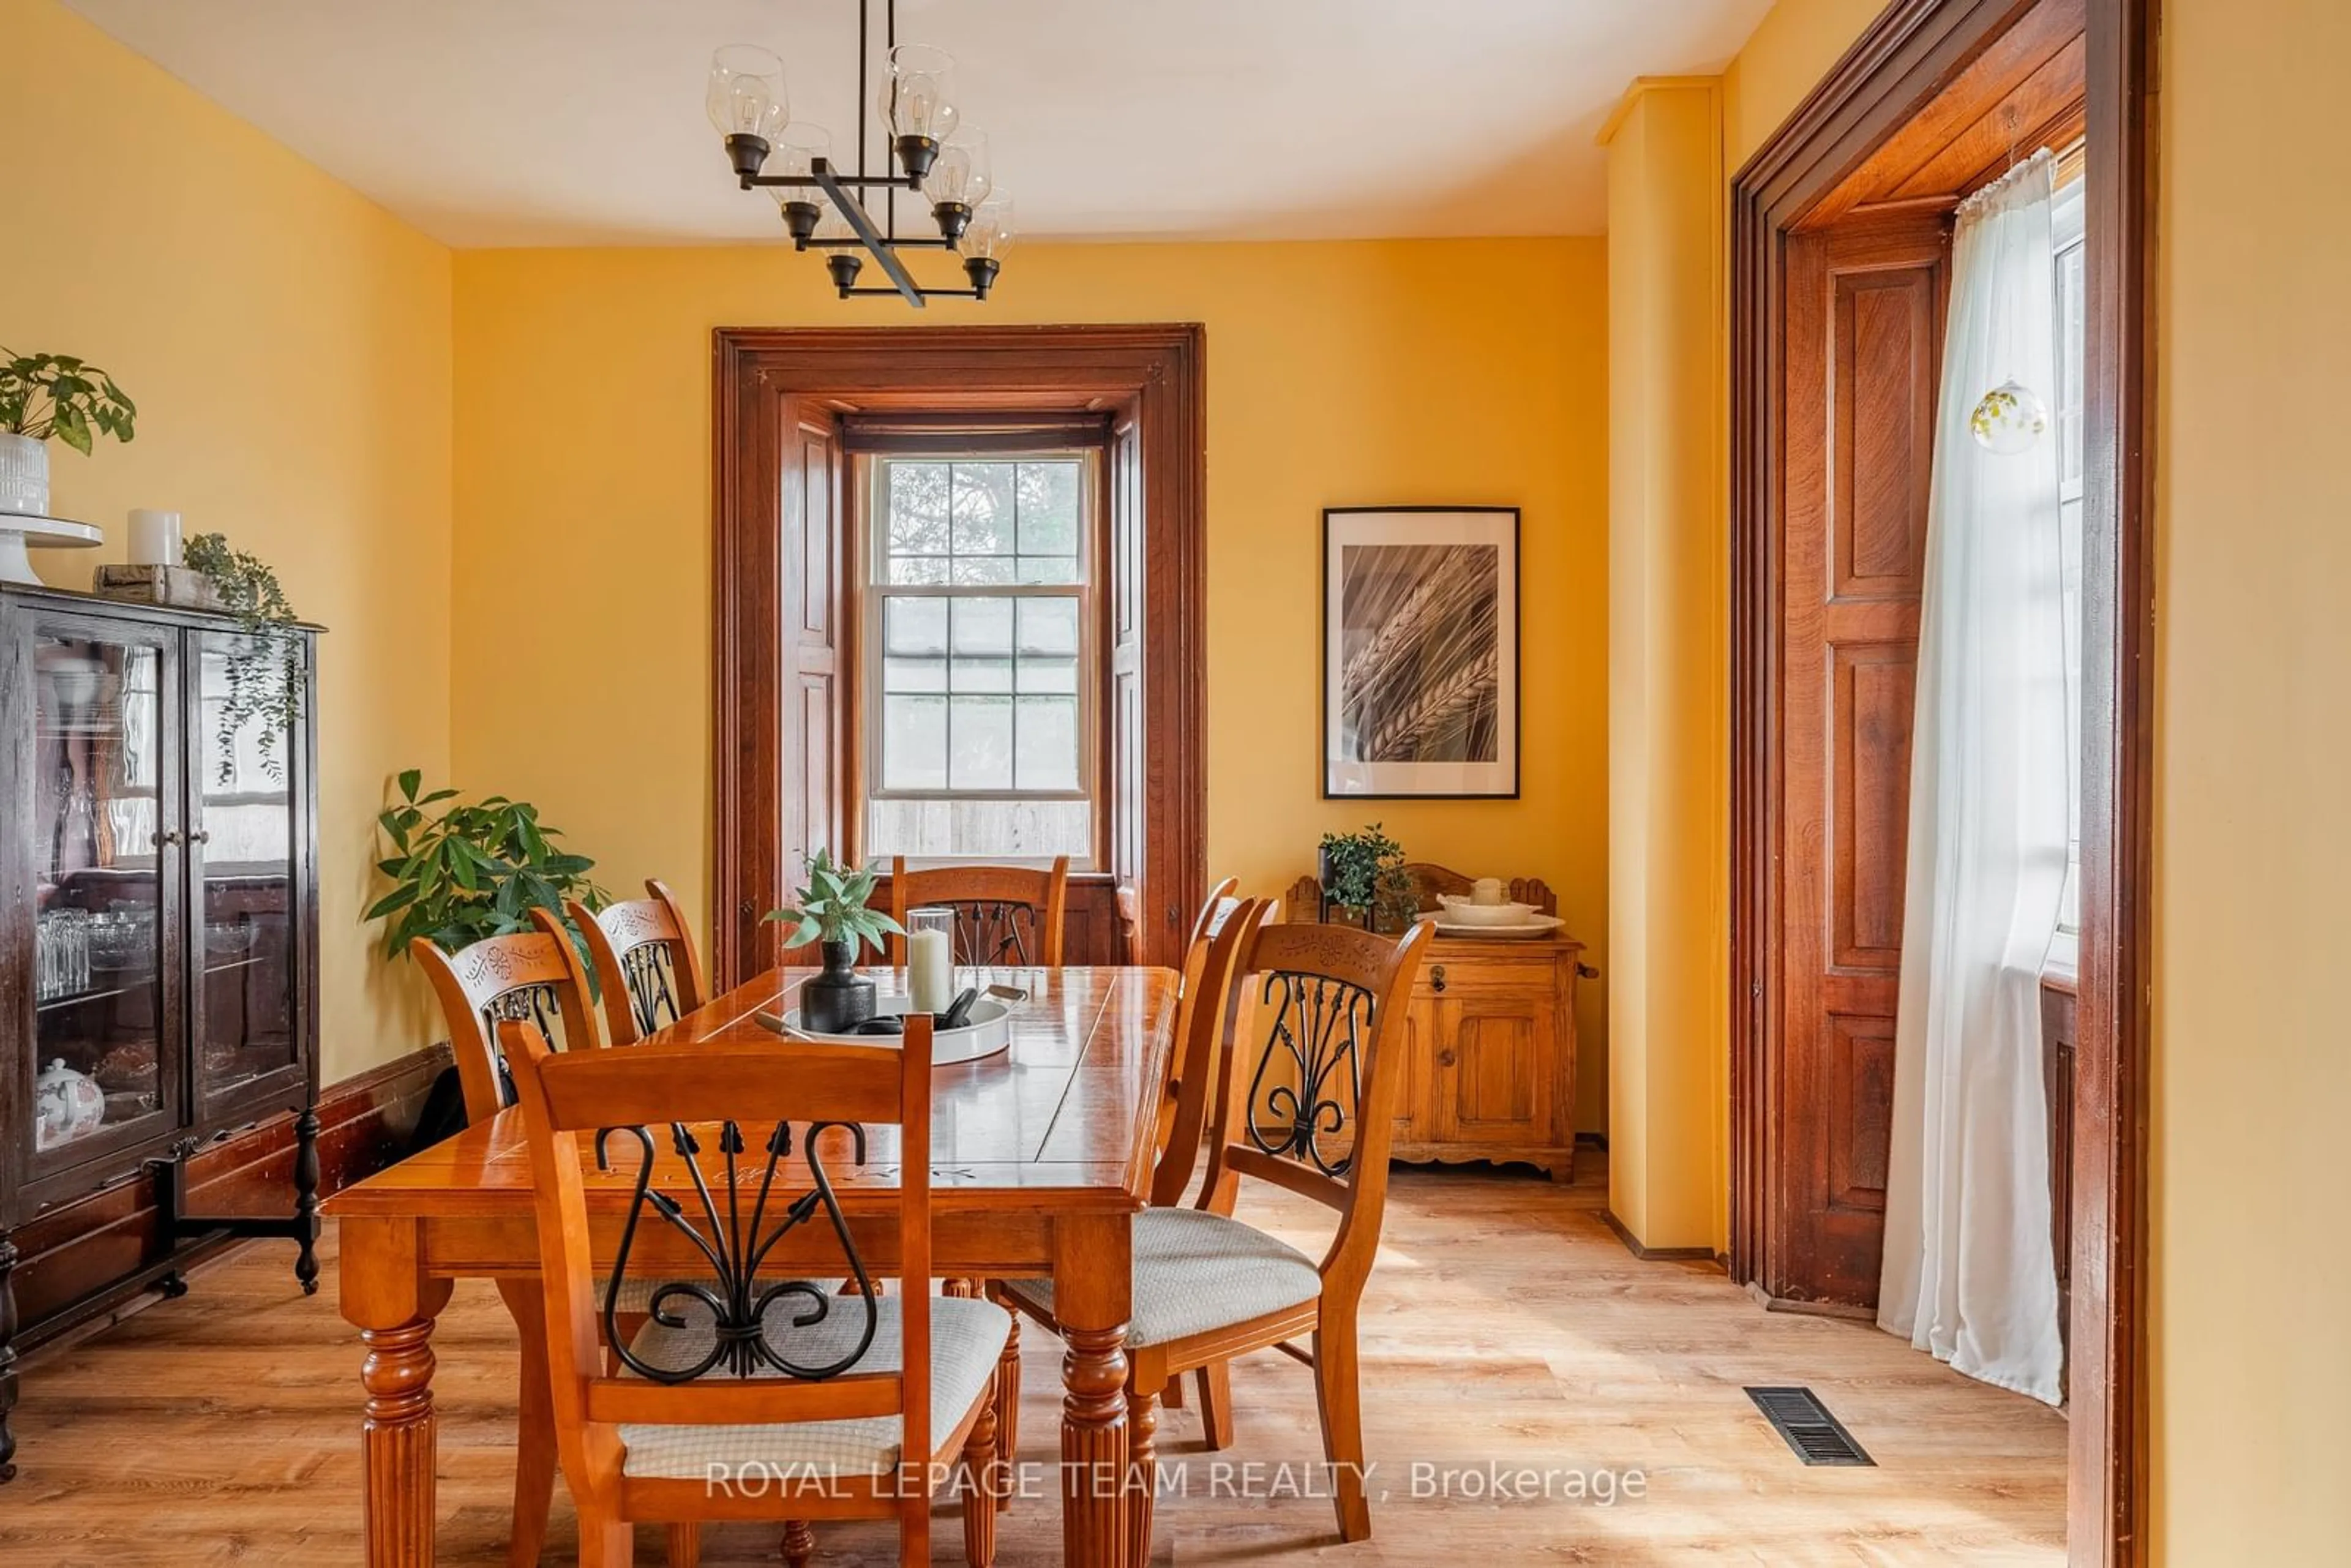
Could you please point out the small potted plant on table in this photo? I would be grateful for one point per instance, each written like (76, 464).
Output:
(832, 911)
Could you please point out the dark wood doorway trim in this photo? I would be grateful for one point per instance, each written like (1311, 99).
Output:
(1149, 381)
(1914, 50)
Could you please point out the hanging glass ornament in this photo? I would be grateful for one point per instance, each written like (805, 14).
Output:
(2010, 419)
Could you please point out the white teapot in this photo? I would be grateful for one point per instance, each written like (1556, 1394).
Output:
(66, 1105)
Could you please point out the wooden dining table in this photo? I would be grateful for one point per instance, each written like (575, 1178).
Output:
(1040, 1158)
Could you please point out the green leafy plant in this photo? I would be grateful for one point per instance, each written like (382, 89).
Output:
(43, 395)
(1364, 871)
(831, 907)
(265, 671)
(470, 872)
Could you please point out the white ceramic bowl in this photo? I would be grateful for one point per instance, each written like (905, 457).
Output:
(1461, 911)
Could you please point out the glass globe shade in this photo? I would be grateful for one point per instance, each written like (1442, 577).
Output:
(2009, 419)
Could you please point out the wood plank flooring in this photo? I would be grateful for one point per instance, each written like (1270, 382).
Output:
(1505, 1325)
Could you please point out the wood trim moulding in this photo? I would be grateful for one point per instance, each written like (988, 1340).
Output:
(1633, 1244)
(1156, 370)
(1909, 53)
(88, 1262)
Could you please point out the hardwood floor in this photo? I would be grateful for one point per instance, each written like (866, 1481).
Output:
(1504, 1325)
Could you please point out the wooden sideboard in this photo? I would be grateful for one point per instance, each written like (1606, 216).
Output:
(1491, 1040)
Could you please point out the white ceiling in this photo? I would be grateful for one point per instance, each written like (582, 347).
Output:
(520, 122)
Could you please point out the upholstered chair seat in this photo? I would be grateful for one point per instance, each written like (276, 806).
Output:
(1195, 1273)
(967, 1338)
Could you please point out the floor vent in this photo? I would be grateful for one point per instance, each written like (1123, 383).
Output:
(1817, 1436)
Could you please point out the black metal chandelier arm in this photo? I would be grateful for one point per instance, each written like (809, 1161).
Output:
(880, 248)
(811, 181)
(840, 244)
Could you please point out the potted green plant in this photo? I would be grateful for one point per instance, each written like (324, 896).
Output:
(832, 911)
(474, 870)
(42, 395)
(265, 670)
(1362, 873)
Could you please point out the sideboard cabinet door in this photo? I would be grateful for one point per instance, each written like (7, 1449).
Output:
(1495, 1059)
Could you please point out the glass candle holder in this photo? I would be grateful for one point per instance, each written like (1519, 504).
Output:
(930, 959)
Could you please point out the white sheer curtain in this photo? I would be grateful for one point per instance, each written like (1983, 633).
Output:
(1968, 1273)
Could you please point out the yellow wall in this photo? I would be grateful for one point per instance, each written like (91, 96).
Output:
(2252, 1373)
(1669, 785)
(1790, 49)
(1342, 374)
(2253, 1079)
(288, 346)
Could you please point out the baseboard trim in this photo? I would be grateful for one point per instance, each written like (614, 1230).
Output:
(1838, 1310)
(1660, 1254)
(87, 1264)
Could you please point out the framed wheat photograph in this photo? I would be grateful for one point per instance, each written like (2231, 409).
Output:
(1420, 651)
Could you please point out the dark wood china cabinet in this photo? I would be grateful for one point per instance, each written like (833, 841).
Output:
(158, 937)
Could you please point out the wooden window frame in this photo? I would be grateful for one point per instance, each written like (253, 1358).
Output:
(1146, 384)
(956, 440)
(1914, 49)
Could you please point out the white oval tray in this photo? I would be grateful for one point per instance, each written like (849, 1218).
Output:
(989, 1031)
(1541, 925)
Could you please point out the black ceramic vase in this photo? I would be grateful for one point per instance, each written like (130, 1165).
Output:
(838, 999)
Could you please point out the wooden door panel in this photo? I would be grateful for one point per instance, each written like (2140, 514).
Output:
(1864, 314)
(813, 802)
(1494, 1053)
(1883, 405)
(1870, 714)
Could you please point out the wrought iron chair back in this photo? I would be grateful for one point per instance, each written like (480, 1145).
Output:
(729, 1154)
(648, 973)
(1224, 922)
(1314, 1045)
(1007, 916)
(532, 977)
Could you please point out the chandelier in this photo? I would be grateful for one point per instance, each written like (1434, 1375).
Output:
(927, 150)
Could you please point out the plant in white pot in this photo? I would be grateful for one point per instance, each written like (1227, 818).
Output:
(45, 395)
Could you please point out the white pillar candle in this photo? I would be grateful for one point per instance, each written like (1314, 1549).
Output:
(154, 538)
(930, 971)
(1485, 890)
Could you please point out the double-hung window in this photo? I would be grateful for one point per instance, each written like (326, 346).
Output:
(980, 708)
(2072, 323)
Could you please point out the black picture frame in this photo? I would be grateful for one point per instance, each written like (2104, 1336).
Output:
(1345, 777)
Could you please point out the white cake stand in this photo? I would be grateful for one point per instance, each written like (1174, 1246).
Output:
(55, 533)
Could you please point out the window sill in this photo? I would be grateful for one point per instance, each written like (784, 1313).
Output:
(2061, 968)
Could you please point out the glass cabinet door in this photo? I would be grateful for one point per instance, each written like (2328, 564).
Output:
(243, 836)
(104, 995)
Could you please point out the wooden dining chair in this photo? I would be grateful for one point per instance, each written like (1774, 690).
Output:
(1199, 1017)
(1005, 916)
(532, 980)
(1184, 1099)
(648, 973)
(730, 1399)
(532, 976)
(1309, 1108)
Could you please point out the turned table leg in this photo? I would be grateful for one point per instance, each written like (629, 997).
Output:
(1143, 1447)
(1092, 1282)
(393, 1304)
